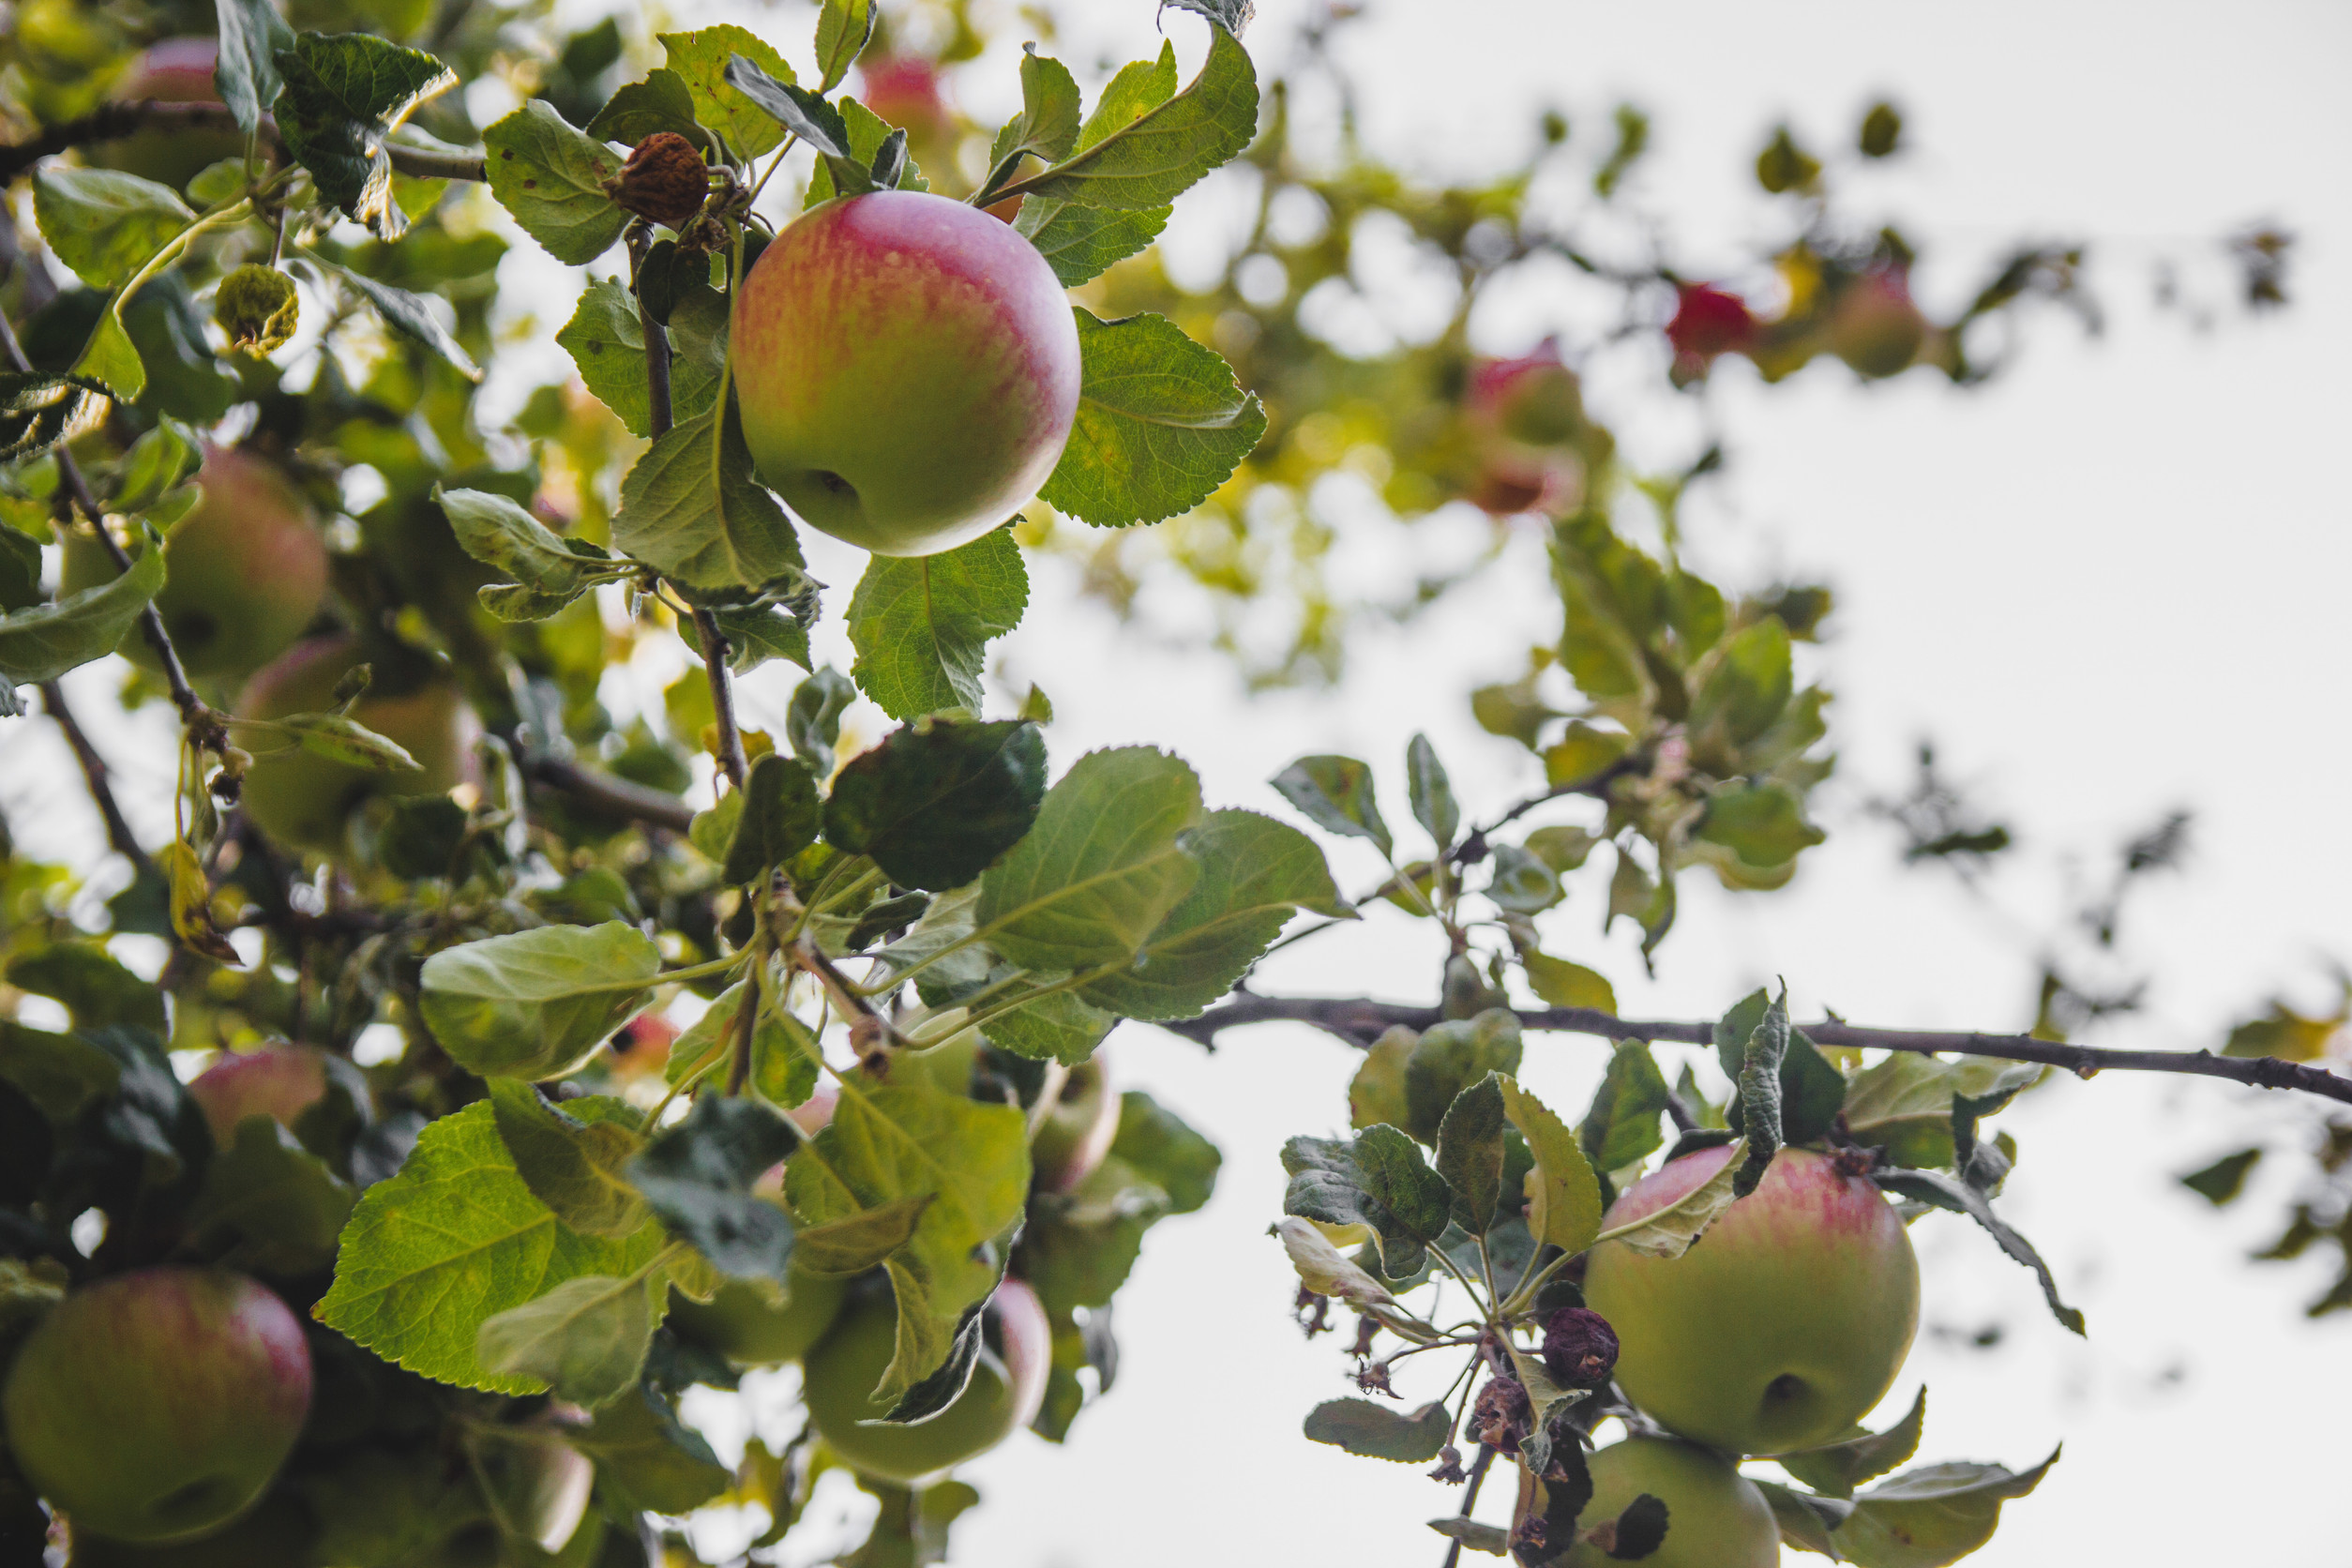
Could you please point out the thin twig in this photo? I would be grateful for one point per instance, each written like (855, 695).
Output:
(746, 1024)
(608, 792)
(1360, 1020)
(118, 832)
(1469, 1497)
(115, 121)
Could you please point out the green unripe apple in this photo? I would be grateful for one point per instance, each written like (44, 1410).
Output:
(1716, 1518)
(244, 572)
(751, 1329)
(1782, 1327)
(176, 70)
(278, 1533)
(278, 1081)
(1004, 1395)
(908, 371)
(538, 1484)
(300, 798)
(1077, 1134)
(1874, 327)
(157, 1405)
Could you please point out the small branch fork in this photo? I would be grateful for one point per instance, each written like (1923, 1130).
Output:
(1360, 1020)
(115, 121)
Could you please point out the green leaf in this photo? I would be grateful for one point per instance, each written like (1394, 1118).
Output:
(1335, 793)
(641, 109)
(813, 721)
(573, 1167)
(1838, 1468)
(1470, 1152)
(1058, 1026)
(1324, 1270)
(1932, 1516)
(273, 1205)
(1904, 1103)
(921, 626)
(849, 1248)
(1752, 834)
(534, 1004)
(1157, 1146)
(1231, 15)
(41, 410)
(58, 1073)
(646, 1460)
(1380, 1180)
(112, 360)
(1153, 158)
(1559, 983)
(700, 58)
(1493, 1539)
(1140, 86)
(19, 571)
(780, 813)
(586, 1339)
(1759, 1092)
(1805, 1521)
(408, 314)
(698, 1178)
(44, 642)
(1080, 243)
(551, 178)
(339, 738)
(805, 115)
(1048, 126)
(1104, 866)
(1521, 882)
(1450, 1057)
(1161, 424)
(1431, 793)
(1745, 688)
(93, 986)
(103, 224)
(907, 1141)
(864, 133)
(497, 532)
(1256, 873)
(2219, 1183)
(1940, 1191)
(344, 94)
(244, 74)
(2286, 1034)
(606, 341)
(843, 27)
(691, 510)
(1378, 1432)
(1623, 1125)
(1564, 1196)
(457, 1238)
(783, 1056)
(1669, 1232)
(939, 801)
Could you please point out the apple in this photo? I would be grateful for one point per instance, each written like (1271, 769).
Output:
(908, 371)
(277, 1533)
(157, 1405)
(303, 799)
(1782, 1327)
(642, 1046)
(245, 571)
(1715, 1517)
(905, 90)
(1874, 327)
(536, 1482)
(279, 1081)
(1707, 321)
(1523, 416)
(1007, 1388)
(745, 1325)
(175, 71)
(1071, 1142)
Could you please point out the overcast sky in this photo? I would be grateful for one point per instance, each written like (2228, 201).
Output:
(2109, 586)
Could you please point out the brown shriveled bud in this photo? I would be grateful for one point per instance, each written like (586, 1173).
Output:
(1373, 1379)
(1502, 1416)
(1450, 1469)
(1580, 1347)
(665, 180)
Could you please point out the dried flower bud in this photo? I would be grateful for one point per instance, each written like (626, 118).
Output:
(1450, 1467)
(665, 180)
(1502, 1416)
(1580, 1347)
(258, 307)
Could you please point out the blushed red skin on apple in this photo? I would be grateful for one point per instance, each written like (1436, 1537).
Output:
(157, 1405)
(1078, 1135)
(1028, 1338)
(1708, 322)
(276, 1082)
(1783, 1326)
(174, 71)
(908, 371)
(904, 89)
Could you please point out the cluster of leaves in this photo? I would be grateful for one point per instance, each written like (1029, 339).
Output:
(1510, 1197)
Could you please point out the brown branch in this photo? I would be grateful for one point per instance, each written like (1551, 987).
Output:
(115, 121)
(118, 832)
(608, 792)
(1360, 1020)
(203, 726)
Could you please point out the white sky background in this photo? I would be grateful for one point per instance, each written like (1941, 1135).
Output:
(2110, 584)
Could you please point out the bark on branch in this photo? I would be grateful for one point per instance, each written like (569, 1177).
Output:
(1360, 1020)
